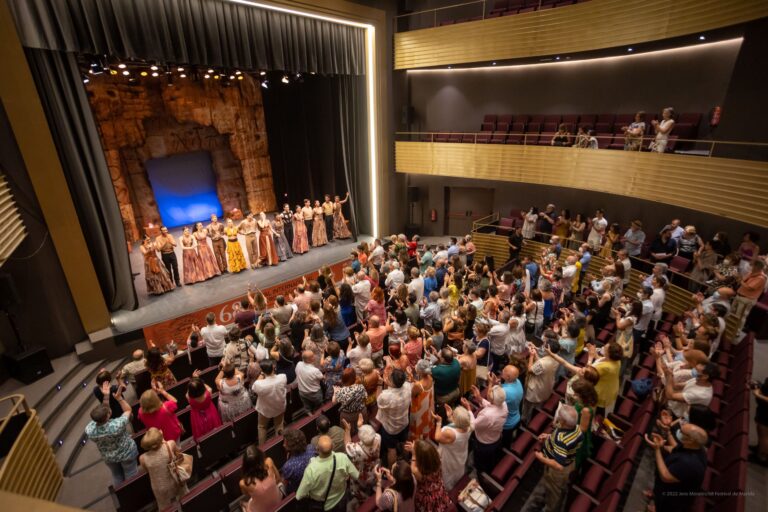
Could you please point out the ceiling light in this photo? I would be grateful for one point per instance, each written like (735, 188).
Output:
(262, 73)
(143, 73)
(493, 63)
(557, 58)
(210, 70)
(155, 74)
(216, 77)
(126, 72)
(285, 79)
(183, 75)
(231, 77)
(630, 49)
(179, 69)
(240, 77)
(121, 65)
(265, 84)
(207, 76)
(238, 72)
(153, 68)
(701, 38)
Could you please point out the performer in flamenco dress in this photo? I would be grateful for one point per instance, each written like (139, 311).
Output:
(319, 237)
(210, 266)
(155, 273)
(235, 256)
(340, 229)
(193, 265)
(267, 250)
(300, 242)
(281, 241)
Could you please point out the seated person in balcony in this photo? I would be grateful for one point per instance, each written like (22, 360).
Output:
(561, 137)
(663, 129)
(664, 248)
(592, 141)
(633, 134)
(582, 138)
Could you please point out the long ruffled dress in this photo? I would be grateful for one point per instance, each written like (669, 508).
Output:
(267, 251)
(155, 273)
(422, 423)
(193, 265)
(235, 256)
(204, 416)
(319, 236)
(300, 242)
(340, 229)
(281, 241)
(210, 267)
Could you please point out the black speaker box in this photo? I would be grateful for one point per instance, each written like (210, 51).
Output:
(413, 194)
(28, 366)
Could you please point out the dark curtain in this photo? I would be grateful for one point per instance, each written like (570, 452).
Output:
(82, 158)
(198, 32)
(318, 142)
(47, 315)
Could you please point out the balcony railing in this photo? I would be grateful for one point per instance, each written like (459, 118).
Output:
(757, 151)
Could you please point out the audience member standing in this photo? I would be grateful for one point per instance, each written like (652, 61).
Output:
(453, 440)
(299, 454)
(203, 414)
(423, 402)
(155, 461)
(489, 425)
(233, 396)
(309, 379)
(112, 438)
(393, 407)
(446, 375)
(399, 496)
(215, 338)
(540, 379)
(430, 490)
(259, 481)
(325, 478)
(513, 396)
(681, 462)
(270, 390)
(161, 415)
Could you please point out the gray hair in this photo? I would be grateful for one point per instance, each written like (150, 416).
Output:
(461, 417)
(367, 434)
(567, 416)
(424, 367)
(497, 396)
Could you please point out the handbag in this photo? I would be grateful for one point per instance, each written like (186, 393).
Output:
(319, 506)
(180, 467)
(473, 499)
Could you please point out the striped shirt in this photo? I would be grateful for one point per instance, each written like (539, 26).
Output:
(562, 445)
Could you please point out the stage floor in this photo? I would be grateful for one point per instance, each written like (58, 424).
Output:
(158, 308)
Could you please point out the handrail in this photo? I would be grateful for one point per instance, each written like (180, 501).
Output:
(18, 402)
(494, 218)
(440, 9)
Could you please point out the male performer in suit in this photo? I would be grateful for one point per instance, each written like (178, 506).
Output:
(287, 216)
(216, 233)
(166, 244)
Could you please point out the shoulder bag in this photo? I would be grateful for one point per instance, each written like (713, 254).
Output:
(180, 467)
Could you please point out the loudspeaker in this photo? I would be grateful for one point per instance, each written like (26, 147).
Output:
(9, 296)
(413, 194)
(28, 366)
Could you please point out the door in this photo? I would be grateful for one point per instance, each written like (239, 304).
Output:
(464, 205)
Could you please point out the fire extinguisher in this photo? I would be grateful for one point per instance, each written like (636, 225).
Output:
(714, 120)
(433, 215)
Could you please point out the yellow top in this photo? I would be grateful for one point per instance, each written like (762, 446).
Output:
(607, 387)
(328, 208)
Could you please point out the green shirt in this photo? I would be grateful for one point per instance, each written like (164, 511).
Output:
(315, 479)
(446, 377)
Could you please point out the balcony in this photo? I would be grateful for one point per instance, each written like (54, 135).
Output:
(728, 187)
(579, 27)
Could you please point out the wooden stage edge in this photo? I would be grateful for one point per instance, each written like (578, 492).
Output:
(179, 328)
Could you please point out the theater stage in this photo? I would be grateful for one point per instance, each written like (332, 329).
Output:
(213, 293)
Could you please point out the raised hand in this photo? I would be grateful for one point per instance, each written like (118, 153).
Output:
(345, 424)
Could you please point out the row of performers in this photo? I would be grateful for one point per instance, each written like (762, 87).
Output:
(266, 243)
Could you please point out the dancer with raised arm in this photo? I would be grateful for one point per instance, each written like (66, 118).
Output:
(155, 273)
(234, 251)
(340, 229)
(300, 241)
(216, 232)
(210, 266)
(267, 251)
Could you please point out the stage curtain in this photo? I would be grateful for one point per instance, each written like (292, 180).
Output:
(77, 141)
(47, 315)
(318, 142)
(198, 32)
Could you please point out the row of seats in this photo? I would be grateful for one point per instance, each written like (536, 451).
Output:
(511, 7)
(550, 122)
(182, 367)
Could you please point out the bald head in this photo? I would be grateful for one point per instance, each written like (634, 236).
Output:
(510, 373)
(693, 436)
(138, 355)
(373, 322)
(324, 446)
(308, 356)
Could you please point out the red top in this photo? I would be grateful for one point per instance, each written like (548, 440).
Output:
(165, 419)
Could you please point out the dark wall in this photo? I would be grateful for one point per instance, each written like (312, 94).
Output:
(693, 79)
(617, 208)
(47, 315)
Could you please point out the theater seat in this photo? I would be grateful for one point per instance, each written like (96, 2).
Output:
(206, 496)
(609, 503)
(679, 264)
(134, 493)
(246, 427)
(230, 477)
(216, 445)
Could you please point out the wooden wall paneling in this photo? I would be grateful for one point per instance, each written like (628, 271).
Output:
(585, 26)
(722, 186)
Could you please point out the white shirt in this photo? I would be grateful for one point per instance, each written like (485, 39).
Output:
(270, 392)
(356, 354)
(627, 269)
(377, 255)
(497, 338)
(601, 224)
(693, 394)
(645, 318)
(215, 337)
(569, 271)
(441, 255)
(308, 377)
(657, 298)
(394, 406)
(395, 278)
(417, 286)
(362, 291)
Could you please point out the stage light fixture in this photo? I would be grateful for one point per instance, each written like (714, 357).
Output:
(183, 75)
(312, 73)
(265, 84)
(262, 73)
(216, 77)
(207, 76)
(238, 72)
(557, 58)
(96, 68)
(493, 63)
(630, 49)
(153, 68)
(239, 77)
(285, 79)
(112, 71)
(210, 70)
(143, 73)
(121, 65)
(231, 77)
(180, 69)
(126, 72)
(155, 74)
(702, 38)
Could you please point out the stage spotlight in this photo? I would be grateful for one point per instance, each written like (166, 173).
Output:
(210, 70)
(239, 77)
(155, 74)
(206, 76)
(701, 38)
(126, 72)
(183, 75)
(143, 73)
(86, 79)
(262, 73)
(180, 69)
(312, 73)
(557, 58)
(630, 49)
(153, 68)
(216, 77)
(231, 77)
(493, 63)
(112, 71)
(265, 84)
(285, 79)
(238, 72)
(121, 65)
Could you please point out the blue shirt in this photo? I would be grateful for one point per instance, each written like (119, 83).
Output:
(340, 331)
(585, 259)
(453, 250)
(293, 469)
(355, 265)
(533, 271)
(440, 276)
(514, 394)
(430, 284)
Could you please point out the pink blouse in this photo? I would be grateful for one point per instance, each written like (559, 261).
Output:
(165, 419)
(264, 494)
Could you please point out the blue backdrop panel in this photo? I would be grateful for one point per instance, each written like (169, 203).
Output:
(184, 187)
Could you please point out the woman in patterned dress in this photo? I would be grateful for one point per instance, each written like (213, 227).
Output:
(319, 236)
(300, 242)
(430, 491)
(281, 241)
(340, 229)
(155, 273)
(422, 403)
(210, 267)
(233, 395)
(154, 460)
(193, 265)
(235, 256)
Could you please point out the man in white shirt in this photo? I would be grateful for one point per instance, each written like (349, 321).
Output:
(497, 339)
(395, 277)
(362, 291)
(417, 284)
(623, 256)
(270, 390)
(569, 273)
(696, 391)
(360, 351)
(641, 326)
(309, 379)
(599, 224)
(377, 254)
(215, 338)
(394, 405)
(677, 231)
(442, 253)
(657, 297)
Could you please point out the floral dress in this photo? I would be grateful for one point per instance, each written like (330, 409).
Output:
(332, 370)
(319, 236)
(529, 225)
(365, 458)
(233, 400)
(340, 229)
(300, 242)
(431, 494)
